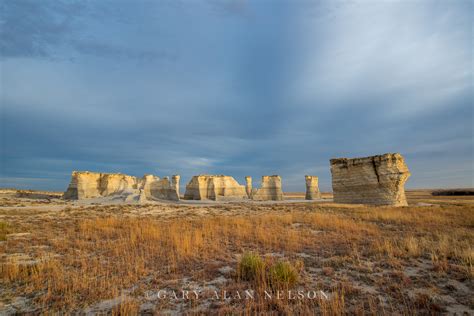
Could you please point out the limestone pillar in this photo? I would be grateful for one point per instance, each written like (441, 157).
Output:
(214, 187)
(312, 188)
(175, 182)
(271, 189)
(248, 186)
(377, 180)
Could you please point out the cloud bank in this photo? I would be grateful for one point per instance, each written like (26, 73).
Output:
(234, 87)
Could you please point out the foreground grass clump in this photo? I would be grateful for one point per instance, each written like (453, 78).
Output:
(279, 274)
(251, 267)
(283, 275)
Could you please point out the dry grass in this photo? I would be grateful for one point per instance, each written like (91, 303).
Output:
(4, 230)
(101, 256)
(106, 252)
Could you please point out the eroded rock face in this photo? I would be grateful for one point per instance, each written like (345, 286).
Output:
(116, 183)
(86, 185)
(248, 186)
(378, 180)
(270, 189)
(175, 183)
(213, 187)
(312, 188)
(163, 189)
(145, 186)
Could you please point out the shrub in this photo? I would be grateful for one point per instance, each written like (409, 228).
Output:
(283, 274)
(251, 267)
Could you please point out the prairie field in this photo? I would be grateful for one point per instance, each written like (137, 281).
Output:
(290, 257)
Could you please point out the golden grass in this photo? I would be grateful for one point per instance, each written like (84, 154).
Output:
(421, 217)
(98, 258)
(3, 231)
(102, 256)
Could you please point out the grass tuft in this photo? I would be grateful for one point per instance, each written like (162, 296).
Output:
(251, 267)
(283, 275)
(279, 275)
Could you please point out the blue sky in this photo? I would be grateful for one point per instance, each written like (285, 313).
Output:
(234, 87)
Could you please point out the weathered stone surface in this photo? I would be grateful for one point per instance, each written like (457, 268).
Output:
(213, 187)
(248, 186)
(145, 186)
(175, 183)
(312, 188)
(155, 188)
(86, 185)
(377, 180)
(116, 183)
(270, 189)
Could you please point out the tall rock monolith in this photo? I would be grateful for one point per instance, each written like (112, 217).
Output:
(162, 189)
(270, 189)
(312, 188)
(248, 186)
(377, 180)
(214, 187)
(175, 182)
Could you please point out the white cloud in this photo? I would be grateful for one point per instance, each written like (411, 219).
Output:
(417, 54)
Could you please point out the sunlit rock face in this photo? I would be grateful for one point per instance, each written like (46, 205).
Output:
(312, 188)
(175, 184)
(377, 180)
(152, 187)
(248, 186)
(116, 183)
(87, 185)
(214, 187)
(270, 189)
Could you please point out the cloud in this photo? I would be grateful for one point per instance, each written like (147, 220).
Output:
(173, 87)
(412, 56)
(230, 7)
(68, 30)
(30, 29)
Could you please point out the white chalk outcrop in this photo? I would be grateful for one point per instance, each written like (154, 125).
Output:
(270, 189)
(214, 187)
(312, 188)
(248, 186)
(89, 185)
(152, 187)
(377, 180)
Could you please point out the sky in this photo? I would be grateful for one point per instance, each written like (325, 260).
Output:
(234, 87)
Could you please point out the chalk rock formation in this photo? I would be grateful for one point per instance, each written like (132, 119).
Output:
(248, 186)
(86, 185)
(155, 188)
(377, 180)
(83, 185)
(116, 183)
(213, 187)
(312, 188)
(270, 189)
(175, 183)
(145, 186)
